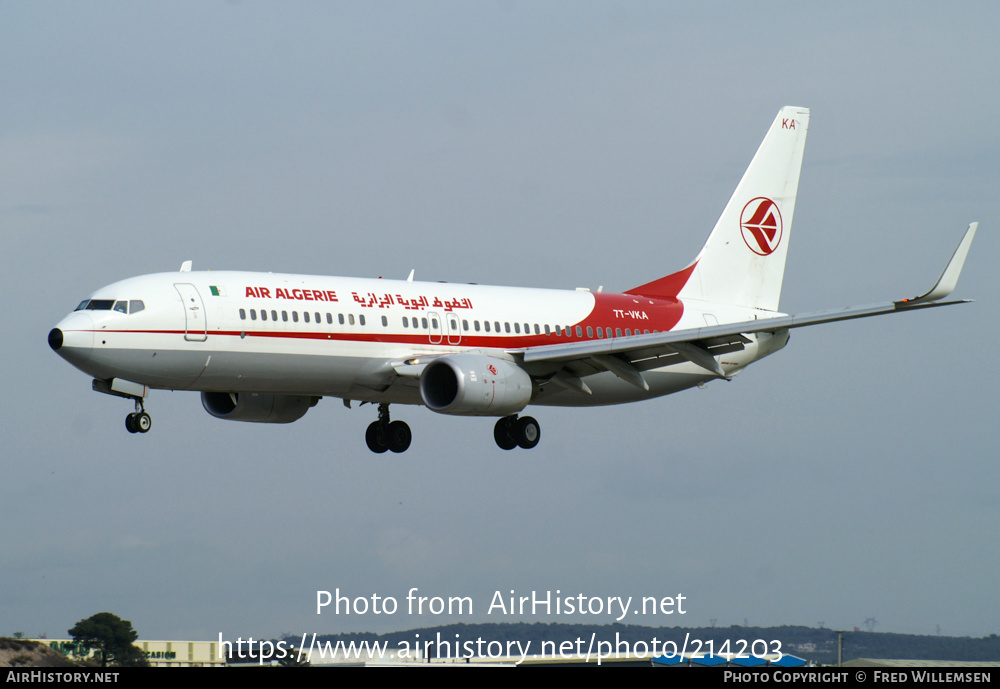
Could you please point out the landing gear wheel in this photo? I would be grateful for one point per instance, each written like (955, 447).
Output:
(138, 421)
(398, 436)
(375, 436)
(503, 433)
(527, 433)
(385, 435)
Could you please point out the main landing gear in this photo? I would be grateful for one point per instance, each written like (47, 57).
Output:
(509, 432)
(514, 431)
(385, 435)
(138, 421)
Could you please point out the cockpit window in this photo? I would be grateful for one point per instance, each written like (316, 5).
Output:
(121, 306)
(100, 304)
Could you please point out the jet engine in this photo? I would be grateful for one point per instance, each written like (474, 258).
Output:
(257, 407)
(474, 385)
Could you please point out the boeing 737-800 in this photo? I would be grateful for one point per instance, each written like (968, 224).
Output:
(266, 348)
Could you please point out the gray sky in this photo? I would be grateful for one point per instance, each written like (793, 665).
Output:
(853, 475)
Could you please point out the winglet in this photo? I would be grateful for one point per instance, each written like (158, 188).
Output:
(949, 277)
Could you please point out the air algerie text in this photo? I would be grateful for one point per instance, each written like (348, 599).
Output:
(549, 603)
(300, 294)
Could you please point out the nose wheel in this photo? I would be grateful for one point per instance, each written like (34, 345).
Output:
(138, 421)
(514, 431)
(385, 435)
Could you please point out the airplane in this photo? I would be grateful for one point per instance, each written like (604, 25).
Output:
(265, 348)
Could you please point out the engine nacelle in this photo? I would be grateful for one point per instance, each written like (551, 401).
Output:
(474, 385)
(257, 407)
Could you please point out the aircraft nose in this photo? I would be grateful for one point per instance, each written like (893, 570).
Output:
(73, 337)
(55, 339)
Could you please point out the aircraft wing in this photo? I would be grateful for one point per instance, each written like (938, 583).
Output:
(627, 357)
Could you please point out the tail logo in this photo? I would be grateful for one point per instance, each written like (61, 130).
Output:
(760, 223)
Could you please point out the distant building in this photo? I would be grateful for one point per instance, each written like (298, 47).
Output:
(158, 653)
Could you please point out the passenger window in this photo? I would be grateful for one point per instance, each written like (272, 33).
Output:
(317, 317)
(558, 331)
(350, 319)
(329, 319)
(423, 323)
(243, 314)
(406, 322)
(340, 318)
(600, 331)
(476, 324)
(361, 319)
(618, 332)
(295, 316)
(284, 316)
(263, 315)
(305, 316)
(506, 327)
(486, 324)
(274, 315)
(590, 332)
(628, 333)
(547, 329)
(517, 328)
(538, 331)
(465, 325)
(253, 314)
(385, 321)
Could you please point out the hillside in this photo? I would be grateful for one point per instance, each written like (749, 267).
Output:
(21, 653)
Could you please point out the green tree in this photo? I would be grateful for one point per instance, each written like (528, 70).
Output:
(111, 637)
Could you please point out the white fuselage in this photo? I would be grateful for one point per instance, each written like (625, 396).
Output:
(339, 337)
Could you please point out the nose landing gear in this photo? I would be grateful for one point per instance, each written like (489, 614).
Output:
(138, 421)
(385, 435)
